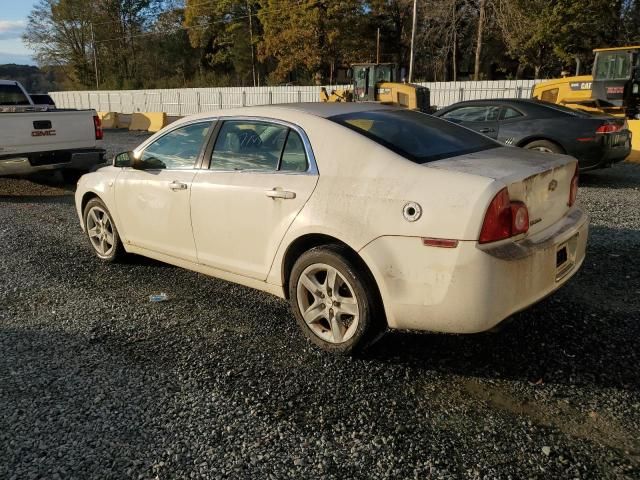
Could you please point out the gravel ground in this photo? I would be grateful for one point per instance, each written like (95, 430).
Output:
(97, 382)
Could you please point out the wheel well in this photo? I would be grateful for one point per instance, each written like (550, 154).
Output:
(307, 242)
(526, 141)
(85, 199)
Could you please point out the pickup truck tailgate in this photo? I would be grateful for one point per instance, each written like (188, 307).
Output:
(32, 132)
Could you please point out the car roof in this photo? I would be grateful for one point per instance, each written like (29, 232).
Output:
(286, 110)
(329, 109)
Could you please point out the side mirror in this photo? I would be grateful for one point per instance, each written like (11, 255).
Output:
(123, 159)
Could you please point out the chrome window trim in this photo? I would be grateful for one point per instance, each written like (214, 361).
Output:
(312, 168)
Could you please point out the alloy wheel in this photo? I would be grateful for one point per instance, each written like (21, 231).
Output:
(327, 303)
(100, 231)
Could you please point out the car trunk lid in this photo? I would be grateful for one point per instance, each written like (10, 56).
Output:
(541, 180)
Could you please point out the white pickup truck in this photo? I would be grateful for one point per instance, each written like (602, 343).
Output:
(35, 137)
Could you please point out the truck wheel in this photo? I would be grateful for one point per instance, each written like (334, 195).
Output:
(102, 232)
(545, 146)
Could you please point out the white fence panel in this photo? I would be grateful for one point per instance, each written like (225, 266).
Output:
(187, 101)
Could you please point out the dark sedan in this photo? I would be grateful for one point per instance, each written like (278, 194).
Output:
(596, 141)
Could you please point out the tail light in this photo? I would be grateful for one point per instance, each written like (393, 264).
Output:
(97, 126)
(609, 128)
(573, 191)
(504, 219)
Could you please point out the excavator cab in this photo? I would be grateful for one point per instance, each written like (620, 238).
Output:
(614, 74)
(367, 75)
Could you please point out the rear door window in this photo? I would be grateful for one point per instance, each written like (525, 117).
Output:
(416, 136)
(474, 113)
(509, 113)
(258, 146)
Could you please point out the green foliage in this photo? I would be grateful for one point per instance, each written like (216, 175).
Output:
(178, 43)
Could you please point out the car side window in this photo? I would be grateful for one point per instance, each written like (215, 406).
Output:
(177, 150)
(294, 157)
(258, 146)
(248, 145)
(475, 113)
(508, 113)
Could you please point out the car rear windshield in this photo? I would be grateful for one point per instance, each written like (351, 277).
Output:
(416, 136)
(12, 95)
(563, 109)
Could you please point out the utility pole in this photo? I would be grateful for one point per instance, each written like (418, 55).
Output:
(95, 56)
(253, 61)
(479, 40)
(413, 38)
(378, 46)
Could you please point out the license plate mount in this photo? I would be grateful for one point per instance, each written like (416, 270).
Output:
(566, 257)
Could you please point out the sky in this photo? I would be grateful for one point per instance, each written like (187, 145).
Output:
(13, 18)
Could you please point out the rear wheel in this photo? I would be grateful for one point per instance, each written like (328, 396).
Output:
(545, 146)
(334, 301)
(101, 231)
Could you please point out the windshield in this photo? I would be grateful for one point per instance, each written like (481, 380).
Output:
(416, 136)
(613, 66)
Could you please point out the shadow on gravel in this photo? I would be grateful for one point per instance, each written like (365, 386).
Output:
(532, 348)
(50, 199)
(588, 332)
(626, 175)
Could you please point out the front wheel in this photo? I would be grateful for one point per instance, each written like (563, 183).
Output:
(334, 301)
(101, 231)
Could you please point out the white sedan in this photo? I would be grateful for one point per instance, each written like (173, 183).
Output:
(364, 217)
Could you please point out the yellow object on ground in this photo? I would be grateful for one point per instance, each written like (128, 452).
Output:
(634, 126)
(109, 119)
(378, 82)
(149, 121)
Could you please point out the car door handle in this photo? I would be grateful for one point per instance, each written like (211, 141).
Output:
(486, 130)
(275, 193)
(175, 186)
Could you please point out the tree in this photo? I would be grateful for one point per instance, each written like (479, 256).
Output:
(58, 31)
(309, 37)
(482, 6)
(120, 28)
(223, 31)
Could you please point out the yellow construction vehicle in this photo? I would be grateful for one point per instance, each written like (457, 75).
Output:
(613, 88)
(378, 82)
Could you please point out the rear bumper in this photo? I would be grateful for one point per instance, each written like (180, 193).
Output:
(84, 160)
(604, 152)
(473, 288)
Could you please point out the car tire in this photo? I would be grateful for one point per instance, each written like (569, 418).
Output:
(101, 231)
(344, 314)
(545, 146)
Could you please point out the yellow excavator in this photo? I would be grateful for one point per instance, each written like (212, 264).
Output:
(378, 82)
(613, 89)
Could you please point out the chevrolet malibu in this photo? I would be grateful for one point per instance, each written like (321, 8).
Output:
(364, 217)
